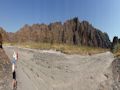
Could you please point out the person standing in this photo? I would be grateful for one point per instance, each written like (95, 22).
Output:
(14, 82)
(14, 66)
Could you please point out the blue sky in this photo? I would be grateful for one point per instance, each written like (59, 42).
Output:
(102, 14)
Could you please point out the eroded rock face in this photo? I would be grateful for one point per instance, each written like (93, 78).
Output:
(70, 32)
(115, 41)
(115, 44)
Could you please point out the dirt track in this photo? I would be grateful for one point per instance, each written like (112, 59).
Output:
(50, 70)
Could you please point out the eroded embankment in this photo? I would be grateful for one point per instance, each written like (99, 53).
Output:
(112, 81)
(116, 73)
(5, 71)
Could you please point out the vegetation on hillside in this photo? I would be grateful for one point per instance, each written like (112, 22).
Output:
(65, 48)
(116, 50)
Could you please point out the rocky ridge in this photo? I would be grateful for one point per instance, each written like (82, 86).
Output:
(71, 31)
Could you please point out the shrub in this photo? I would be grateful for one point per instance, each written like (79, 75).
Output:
(116, 48)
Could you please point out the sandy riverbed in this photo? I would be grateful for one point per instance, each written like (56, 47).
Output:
(51, 70)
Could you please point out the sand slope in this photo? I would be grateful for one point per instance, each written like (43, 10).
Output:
(50, 70)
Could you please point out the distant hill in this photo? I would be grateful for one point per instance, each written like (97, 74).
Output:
(4, 34)
(70, 32)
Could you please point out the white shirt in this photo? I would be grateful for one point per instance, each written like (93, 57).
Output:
(15, 56)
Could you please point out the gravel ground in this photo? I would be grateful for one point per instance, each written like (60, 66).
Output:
(51, 70)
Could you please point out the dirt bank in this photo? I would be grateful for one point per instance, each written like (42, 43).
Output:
(5, 71)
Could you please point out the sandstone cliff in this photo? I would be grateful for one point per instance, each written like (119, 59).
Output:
(70, 32)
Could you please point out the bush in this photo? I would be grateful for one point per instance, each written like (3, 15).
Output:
(116, 48)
